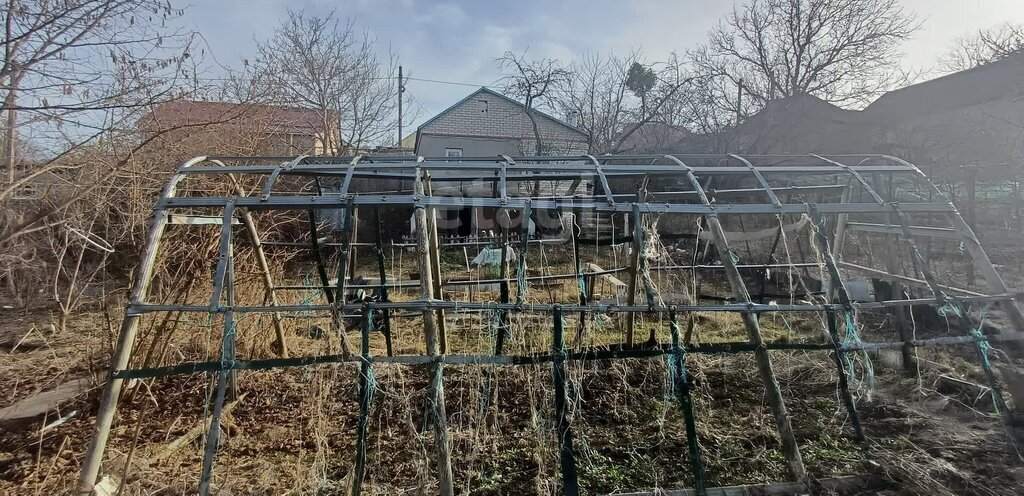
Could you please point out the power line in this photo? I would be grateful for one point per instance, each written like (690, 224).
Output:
(446, 82)
(381, 78)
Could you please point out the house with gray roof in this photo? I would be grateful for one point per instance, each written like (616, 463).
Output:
(486, 123)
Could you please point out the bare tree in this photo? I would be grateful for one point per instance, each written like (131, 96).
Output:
(320, 63)
(76, 68)
(843, 51)
(533, 82)
(611, 98)
(75, 76)
(983, 47)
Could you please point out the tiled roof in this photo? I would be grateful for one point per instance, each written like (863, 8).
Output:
(280, 119)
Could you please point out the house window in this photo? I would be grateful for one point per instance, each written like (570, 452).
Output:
(453, 152)
(483, 106)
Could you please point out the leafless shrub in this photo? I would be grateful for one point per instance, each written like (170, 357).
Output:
(983, 47)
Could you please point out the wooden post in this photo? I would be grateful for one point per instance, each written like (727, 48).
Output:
(790, 449)
(567, 460)
(764, 362)
(892, 266)
(435, 267)
(580, 282)
(261, 260)
(430, 331)
(636, 260)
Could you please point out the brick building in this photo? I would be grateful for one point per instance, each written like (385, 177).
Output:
(199, 127)
(487, 123)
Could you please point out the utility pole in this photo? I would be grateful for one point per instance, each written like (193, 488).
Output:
(401, 89)
(739, 101)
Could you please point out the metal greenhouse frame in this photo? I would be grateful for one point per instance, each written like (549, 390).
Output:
(848, 195)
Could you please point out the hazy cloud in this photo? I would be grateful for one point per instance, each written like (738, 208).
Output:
(458, 40)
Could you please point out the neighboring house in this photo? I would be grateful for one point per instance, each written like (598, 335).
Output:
(251, 128)
(967, 117)
(652, 137)
(487, 123)
(803, 124)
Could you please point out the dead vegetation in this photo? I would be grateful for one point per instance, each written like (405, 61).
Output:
(929, 430)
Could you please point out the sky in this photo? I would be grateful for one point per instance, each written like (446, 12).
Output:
(457, 41)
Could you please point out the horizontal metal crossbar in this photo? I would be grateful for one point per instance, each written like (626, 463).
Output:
(456, 306)
(935, 232)
(540, 358)
(336, 202)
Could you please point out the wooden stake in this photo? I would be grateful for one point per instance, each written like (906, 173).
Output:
(435, 267)
(764, 362)
(636, 260)
(261, 260)
(839, 355)
(430, 332)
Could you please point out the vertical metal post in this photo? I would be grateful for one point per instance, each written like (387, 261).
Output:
(567, 460)
(839, 354)
(227, 354)
(980, 342)
(321, 268)
(503, 319)
(343, 261)
(401, 90)
(681, 386)
(366, 390)
(383, 274)
(353, 244)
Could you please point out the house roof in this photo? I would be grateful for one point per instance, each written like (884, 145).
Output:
(802, 105)
(960, 89)
(484, 89)
(278, 118)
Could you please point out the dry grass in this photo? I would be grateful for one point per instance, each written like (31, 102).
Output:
(295, 431)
